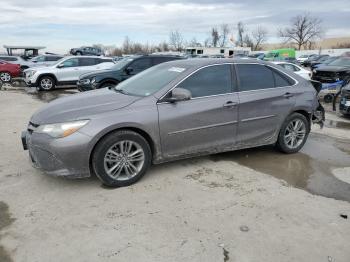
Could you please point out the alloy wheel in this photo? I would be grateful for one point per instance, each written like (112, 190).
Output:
(295, 133)
(46, 83)
(124, 160)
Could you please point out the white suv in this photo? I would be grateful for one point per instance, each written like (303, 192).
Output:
(65, 72)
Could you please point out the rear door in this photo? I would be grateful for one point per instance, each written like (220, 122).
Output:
(266, 97)
(207, 122)
(140, 65)
(87, 65)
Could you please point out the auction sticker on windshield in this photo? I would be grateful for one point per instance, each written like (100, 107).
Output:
(177, 69)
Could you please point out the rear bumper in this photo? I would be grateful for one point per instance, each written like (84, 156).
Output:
(66, 157)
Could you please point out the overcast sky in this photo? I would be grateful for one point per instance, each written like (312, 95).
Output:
(62, 24)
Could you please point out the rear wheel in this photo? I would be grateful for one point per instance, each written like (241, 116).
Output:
(46, 83)
(5, 77)
(293, 133)
(79, 53)
(121, 158)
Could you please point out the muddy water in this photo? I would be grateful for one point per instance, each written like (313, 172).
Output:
(310, 169)
(5, 220)
(337, 124)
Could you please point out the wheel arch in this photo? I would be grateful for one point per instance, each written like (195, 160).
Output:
(109, 80)
(138, 130)
(46, 74)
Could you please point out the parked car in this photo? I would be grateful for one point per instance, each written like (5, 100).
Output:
(314, 59)
(86, 50)
(296, 69)
(333, 77)
(303, 58)
(122, 70)
(344, 105)
(9, 71)
(318, 61)
(171, 111)
(65, 72)
(326, 62)
(24, 64)
(44, 60)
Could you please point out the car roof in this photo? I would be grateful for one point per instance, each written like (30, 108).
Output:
(200, 62)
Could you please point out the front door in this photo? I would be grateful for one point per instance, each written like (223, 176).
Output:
(208, 121)
(266, 98)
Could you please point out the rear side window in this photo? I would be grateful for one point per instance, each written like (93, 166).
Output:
(53, 58)
(281, 80)
(87, 61)
(254, 77)
(212, 80)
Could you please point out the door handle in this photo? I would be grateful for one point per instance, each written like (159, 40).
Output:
(288, 95)
(229, 104)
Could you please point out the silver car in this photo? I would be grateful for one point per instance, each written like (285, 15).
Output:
(171, 111)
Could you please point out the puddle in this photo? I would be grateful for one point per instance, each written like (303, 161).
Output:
(48, 96)
(311, 169)
(5, 220)
(337, 124)
(44, 96)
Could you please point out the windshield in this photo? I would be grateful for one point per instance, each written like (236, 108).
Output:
(59, 61)
(344, 61)
(150, 81)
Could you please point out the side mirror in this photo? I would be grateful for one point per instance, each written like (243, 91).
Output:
(129, 70)
(179, 94)
(60, 65)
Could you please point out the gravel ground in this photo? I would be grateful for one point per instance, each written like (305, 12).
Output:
(191, 210)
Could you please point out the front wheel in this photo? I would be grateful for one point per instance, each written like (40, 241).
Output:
(121, 158)
(5, 77)
(293, 133)
(46, 83)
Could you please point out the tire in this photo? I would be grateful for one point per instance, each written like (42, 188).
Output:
(292, 136)
(114, 172)
(78, 53)
(108, 84)
(328, 98)
(46, 83)
(5, 77)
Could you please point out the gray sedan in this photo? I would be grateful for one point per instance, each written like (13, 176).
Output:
(171, 111)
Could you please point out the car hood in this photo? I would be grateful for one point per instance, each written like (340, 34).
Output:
(326, 68)
(81, 106)
(100, 73)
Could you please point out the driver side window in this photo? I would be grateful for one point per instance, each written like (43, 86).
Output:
(209, 81)
(73, 62)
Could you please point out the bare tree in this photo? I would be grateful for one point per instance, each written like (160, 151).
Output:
(176, 40)
(127, 45)
(259, 36)
(224, 31)
(304, 29)
(241, 30)
(247, 40)
(215, 37)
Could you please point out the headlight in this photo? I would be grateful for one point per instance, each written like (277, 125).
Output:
(61, 129)
(85, 81)
(30, 73)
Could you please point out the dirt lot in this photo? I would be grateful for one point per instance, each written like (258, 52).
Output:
(250, 205)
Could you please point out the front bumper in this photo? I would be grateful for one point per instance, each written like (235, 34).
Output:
(344, 105)
(66, 157)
